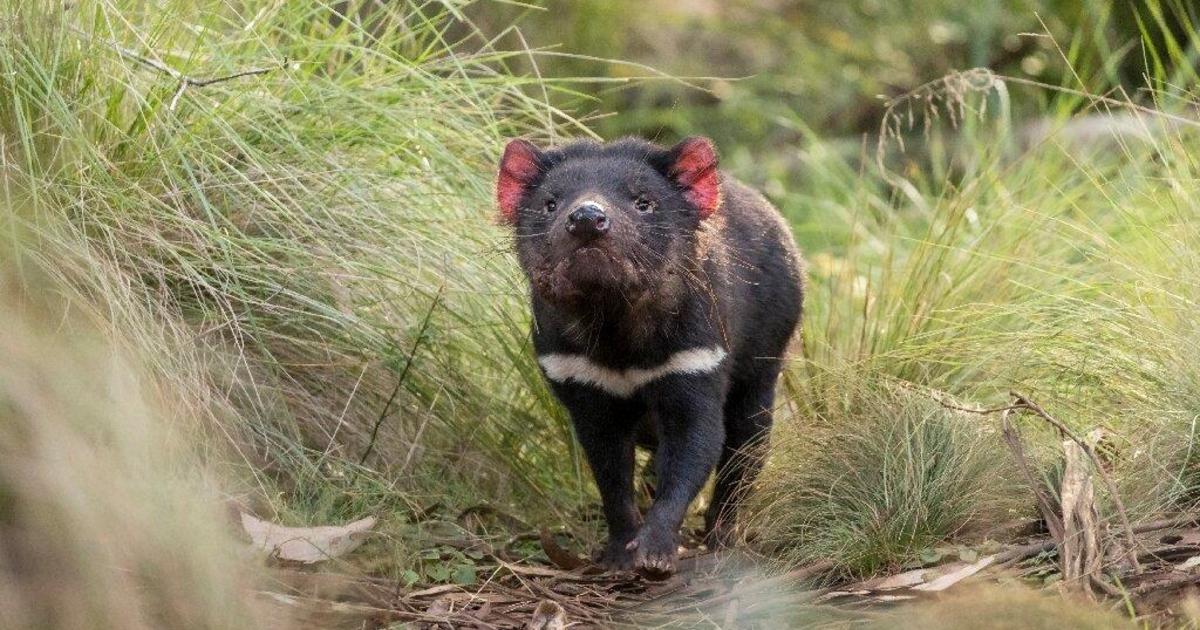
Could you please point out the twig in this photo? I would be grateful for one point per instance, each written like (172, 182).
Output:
(403, 373)
(1179, 580)
(977, 411)
(1108, 589)
(185, 81)
(1131, 550)
(1169, 523)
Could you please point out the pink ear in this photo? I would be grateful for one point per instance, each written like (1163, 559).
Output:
(694, 168)
(518, 169)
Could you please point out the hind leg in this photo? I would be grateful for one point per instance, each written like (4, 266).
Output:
(748, 416)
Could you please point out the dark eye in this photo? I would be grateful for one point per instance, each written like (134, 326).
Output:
(551, 206)
(643, 204)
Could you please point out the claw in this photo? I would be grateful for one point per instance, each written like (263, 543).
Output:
(657, 568)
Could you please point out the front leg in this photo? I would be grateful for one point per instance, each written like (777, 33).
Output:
(606, 429)
(691, 432)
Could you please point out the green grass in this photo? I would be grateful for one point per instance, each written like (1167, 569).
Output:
(1064, 270)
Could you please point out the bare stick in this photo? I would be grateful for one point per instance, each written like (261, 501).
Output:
(1013, 437)
(1172, 582)
(1182, 521)
(403, 373)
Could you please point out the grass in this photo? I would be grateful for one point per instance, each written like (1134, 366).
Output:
(290, 233)
(878, 474)
(1060, 270)
(301, 267)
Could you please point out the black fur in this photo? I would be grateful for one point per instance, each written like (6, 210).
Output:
(660, 281)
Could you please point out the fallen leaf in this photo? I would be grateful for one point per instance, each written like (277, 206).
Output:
(306, 544)
(950, 579)
(900, 580)
(464, 574)
(547, 616)
(1194, 561)
(561, 558)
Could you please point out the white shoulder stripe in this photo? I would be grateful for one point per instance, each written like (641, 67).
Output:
(623, 383)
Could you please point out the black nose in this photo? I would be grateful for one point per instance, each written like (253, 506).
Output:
(587, 221)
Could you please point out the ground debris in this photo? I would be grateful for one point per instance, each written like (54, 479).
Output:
(526, 595)
(724, 589)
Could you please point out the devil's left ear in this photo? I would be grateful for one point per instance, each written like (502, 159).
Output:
(519, 169)
(692, 165)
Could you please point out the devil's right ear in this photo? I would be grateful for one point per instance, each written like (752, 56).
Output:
(519, 170)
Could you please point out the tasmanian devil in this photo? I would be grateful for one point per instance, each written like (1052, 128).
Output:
(664, 296)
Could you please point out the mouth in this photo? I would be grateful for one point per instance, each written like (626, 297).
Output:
(583, 275)
(590, 265)
(590, 250)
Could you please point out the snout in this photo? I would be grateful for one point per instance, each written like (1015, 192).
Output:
(587, 222)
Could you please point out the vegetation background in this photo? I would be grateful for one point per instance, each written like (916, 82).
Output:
(248, 259)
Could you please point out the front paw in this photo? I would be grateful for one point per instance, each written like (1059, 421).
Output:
(655, 552)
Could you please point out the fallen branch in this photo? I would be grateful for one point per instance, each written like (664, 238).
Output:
(1023, 403)
(1172, 582)
(1131, 549)
(1024, 552)
(1168, 523)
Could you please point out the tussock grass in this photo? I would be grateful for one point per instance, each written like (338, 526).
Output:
(304, 258)
(875, 476)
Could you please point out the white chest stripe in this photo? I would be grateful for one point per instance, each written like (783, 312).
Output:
(623, 383)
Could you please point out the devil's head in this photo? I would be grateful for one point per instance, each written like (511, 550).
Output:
(602, 224)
